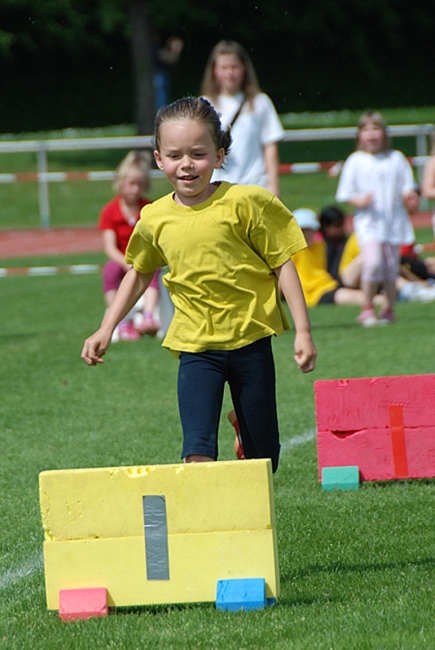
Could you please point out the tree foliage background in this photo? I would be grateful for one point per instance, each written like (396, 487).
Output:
(68, 63)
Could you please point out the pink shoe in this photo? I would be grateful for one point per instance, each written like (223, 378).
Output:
(238, 447)
(367, 317)
(387, 317)
(147, 325)
(127, 332)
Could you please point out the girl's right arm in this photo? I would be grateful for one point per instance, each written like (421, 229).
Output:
(130, 290)
(349, 190)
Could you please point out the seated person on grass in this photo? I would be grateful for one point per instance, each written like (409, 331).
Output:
(341, 249)
(319, 286)
(344, 261)
(409, 287)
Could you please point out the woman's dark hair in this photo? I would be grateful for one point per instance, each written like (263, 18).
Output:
(331, 215)
(194, 108)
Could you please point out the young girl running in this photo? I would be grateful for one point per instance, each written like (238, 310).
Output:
(226, 247)
(378, 182)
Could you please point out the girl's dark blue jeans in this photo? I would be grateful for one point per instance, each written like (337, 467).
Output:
(250, 373)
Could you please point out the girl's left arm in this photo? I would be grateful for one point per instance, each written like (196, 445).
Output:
(271, 162)
(289, 283)
(410, 196)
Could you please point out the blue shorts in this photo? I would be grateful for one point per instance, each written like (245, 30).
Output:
(250, 373)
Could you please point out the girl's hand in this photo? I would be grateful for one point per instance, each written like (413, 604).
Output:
(132, 287)
(305, 352)
(95, 347)
(363, 201)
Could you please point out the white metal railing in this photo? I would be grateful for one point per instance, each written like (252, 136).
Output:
(41, 148)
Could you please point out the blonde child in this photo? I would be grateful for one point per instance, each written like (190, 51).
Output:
(378, 182)
(117, 221)
(231, 85)
(226, 247)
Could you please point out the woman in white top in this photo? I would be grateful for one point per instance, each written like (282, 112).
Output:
(378, 182)
(231, 85)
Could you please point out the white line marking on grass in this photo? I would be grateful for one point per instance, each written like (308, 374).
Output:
(288, 444)
(11, 576)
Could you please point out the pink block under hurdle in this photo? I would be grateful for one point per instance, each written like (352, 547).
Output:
(385, 425)
(82, 603)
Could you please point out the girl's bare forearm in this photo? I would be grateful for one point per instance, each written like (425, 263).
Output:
(292, 290)
(130, 290)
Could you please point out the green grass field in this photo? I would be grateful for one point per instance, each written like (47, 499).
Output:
(356, 568)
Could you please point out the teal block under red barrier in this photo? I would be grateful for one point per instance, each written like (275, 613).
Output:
(340, 478)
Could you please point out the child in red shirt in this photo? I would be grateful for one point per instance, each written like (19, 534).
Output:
(117, 221)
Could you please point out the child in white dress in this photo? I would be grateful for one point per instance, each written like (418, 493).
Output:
(378, 182)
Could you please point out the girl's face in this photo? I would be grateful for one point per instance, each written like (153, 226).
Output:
(188, 156)
(229, 73)
(371, 138)
(132, 186)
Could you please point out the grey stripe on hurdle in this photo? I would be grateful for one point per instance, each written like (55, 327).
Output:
(156, 537)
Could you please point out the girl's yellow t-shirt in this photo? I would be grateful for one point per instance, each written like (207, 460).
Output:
(220, 255)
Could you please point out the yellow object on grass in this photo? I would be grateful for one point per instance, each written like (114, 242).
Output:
(158, 534)
(311, 266)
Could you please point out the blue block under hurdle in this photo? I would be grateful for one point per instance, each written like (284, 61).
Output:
(340, 478)
(241, 593)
